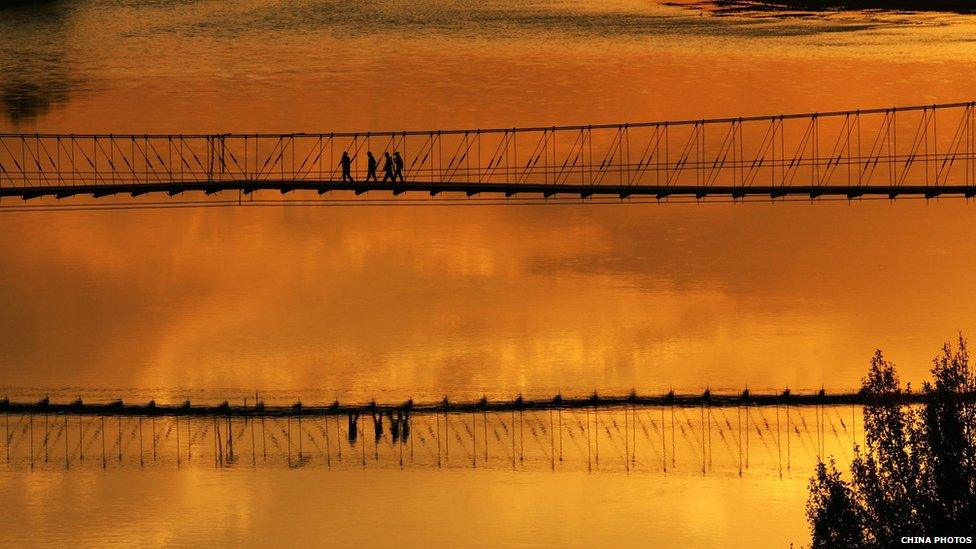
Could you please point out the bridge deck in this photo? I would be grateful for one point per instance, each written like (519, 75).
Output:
(678, 400)
(545, 190)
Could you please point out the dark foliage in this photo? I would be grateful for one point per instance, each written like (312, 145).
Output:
(916, 475)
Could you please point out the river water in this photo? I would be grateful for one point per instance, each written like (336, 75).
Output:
(390, 303)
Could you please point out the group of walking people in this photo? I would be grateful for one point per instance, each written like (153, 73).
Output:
(392, 167)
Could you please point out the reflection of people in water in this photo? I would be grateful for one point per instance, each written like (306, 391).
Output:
(394, 425)
(353, 427)
(405, 427)
(399, 427)
(378, 426)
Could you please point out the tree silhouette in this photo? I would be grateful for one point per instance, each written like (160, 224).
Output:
(916, 475)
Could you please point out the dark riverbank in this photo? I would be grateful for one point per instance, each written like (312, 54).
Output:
(736, 6)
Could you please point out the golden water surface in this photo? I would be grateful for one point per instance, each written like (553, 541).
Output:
(394, 302)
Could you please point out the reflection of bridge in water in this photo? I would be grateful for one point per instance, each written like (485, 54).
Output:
(923, 151)
(699, 434)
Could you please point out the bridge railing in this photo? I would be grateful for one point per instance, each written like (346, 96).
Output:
(918, 146)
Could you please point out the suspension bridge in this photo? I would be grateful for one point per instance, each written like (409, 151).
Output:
(664, 433)
(924, 151)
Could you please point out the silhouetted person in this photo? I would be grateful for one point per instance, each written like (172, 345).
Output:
(370, 166)
(398, 163)
(388, 168)
(346, 168)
